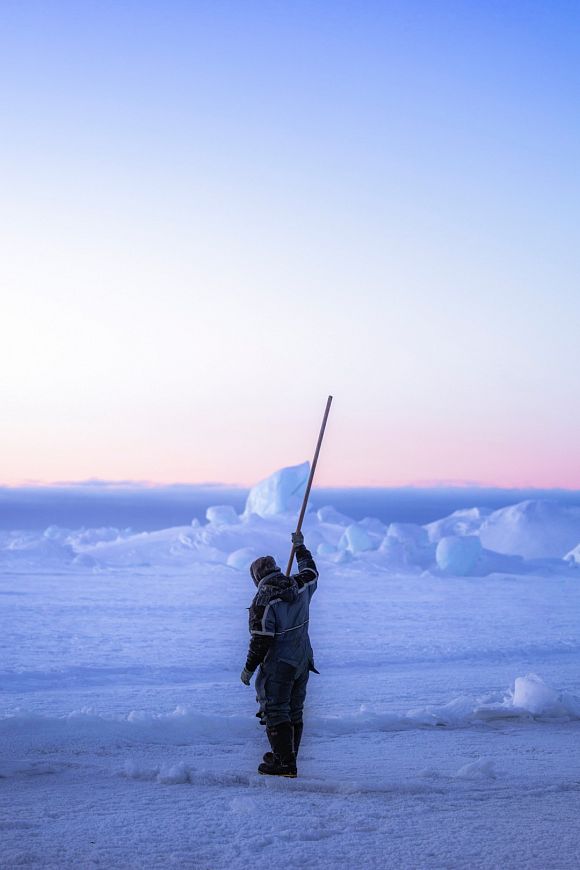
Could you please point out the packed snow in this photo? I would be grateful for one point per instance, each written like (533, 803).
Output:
(445, 721)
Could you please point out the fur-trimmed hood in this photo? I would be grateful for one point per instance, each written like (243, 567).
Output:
(276, 586)
(271, 583)
(261, 567)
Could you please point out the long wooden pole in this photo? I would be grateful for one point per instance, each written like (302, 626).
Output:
(310, 479)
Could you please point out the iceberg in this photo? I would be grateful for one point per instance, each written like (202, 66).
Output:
(280, 493)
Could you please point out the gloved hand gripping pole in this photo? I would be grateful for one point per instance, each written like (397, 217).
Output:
(310, 479)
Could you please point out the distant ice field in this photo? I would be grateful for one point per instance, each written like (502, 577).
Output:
(144, 508)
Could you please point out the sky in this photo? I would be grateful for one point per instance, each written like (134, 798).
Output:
(214, 214)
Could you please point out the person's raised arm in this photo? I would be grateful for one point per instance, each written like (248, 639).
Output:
(307, 570)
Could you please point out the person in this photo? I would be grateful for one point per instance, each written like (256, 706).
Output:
(280, 647)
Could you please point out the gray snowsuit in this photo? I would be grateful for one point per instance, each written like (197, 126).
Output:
(279, 643)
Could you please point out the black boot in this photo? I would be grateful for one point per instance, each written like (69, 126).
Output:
(268, 757)
(298, 728)
(283, 761)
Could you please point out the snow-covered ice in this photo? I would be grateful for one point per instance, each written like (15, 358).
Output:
(530, 537)
(355, 539)
(444, 724)
(532, 529)
(459, 555)
(223, 514)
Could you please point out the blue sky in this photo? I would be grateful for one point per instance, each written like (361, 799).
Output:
(217, 213)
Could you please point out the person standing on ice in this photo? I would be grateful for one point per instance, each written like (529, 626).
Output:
(280, 647)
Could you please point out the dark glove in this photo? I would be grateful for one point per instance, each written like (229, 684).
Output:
(246, 676)
(297, 539)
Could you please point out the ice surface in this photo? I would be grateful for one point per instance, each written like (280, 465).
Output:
(483, 768)
(532, 694)
(521, 539)
(128, 739)
(329, 514)
(462, 522)
(280, 493)
(531, 697)
(356, 539)
(459, 555)
(532, 529)
(574, 555)
(242, 559)
(407, 544)
(374, 526)
(325, 550)
(222, 514)
(28, 548)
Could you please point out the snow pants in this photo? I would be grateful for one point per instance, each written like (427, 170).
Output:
(281, 692)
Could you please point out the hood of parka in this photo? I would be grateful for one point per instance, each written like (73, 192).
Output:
(271, 582)
(261, 567)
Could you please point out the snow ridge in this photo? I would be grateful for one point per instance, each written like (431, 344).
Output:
(530, 699)
(526, 538)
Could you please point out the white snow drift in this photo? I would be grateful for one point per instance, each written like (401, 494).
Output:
(529, 699)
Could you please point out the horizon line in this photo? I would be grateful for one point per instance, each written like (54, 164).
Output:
(101, 484)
